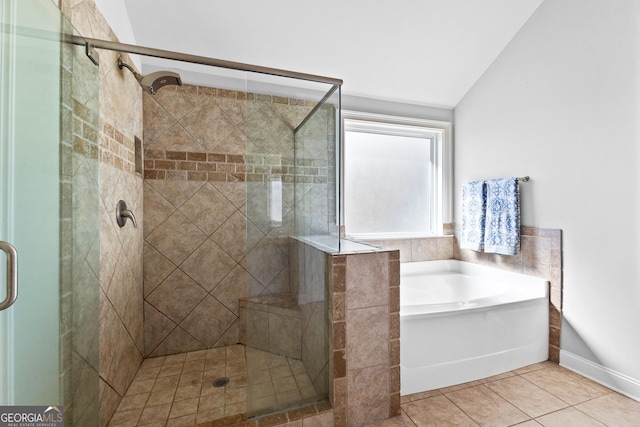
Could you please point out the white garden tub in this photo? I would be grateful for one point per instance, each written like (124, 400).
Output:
(461, 322)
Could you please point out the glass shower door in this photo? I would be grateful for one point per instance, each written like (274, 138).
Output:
(42, 183)
(29, 153)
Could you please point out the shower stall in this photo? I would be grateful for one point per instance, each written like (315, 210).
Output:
(235, 168)
(238, 166)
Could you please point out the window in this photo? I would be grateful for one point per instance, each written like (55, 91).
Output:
(394, 176)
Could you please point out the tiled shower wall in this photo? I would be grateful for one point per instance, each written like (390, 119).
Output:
(210, 155)
(120, 291)
(79, 229)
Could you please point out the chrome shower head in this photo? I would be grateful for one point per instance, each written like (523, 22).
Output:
(154, 81)
(151, 83)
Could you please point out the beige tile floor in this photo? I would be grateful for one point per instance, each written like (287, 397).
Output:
(276, 383)
(544, 394)
(176, 390)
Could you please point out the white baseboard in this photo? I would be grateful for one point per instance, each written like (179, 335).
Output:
(621, 383)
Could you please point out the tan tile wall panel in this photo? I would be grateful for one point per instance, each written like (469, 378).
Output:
(121, 286)
(208, 152)
(424, 249)
(79, 228)
(121, 316)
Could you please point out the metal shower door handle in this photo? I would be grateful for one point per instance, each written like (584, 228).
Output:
(12, 274)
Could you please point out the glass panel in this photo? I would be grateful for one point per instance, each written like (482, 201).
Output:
(80, 234)
(48, 196)
(316, 160)
(290, 160)
(220, 164)
(31, 201)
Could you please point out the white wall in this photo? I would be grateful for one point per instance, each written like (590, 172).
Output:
(561, 104)
(116, 14)
(378, 106)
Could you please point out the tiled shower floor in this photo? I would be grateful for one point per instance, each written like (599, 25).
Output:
(176, 390)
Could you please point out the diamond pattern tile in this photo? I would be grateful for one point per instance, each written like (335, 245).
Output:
(208, 321)
(175, 192)
(177, 341)
(157, 209)
(176, 138)
(208, 265)
(120, 290)
(236, 110)
(293, 114)
(208, 124)
(178, 104)
(156, 119)
(265, 129)
(156, 328)
(314, 134)
(177, 296)
(265, 262)
(156, 268)
(237, 284)
(258, 210)
(234, 143)
(235, 192)
(208, 209)
(176, 238)
(231, 236)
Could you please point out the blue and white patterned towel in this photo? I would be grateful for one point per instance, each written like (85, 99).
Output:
(473, 215)
(502, 228)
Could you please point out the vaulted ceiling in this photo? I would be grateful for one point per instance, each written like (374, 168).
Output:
(425, 52)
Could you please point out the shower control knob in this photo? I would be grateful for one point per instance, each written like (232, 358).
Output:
(122, 214)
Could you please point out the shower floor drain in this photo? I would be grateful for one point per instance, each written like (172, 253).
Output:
(220, 382)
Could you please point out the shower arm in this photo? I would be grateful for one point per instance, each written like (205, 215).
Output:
(122, 64)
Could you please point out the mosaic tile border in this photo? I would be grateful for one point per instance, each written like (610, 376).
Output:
(221, 167)
(116, 149)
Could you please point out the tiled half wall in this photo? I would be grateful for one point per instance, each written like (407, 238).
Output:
(365, 331)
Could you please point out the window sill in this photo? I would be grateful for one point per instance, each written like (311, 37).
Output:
(380, 237)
